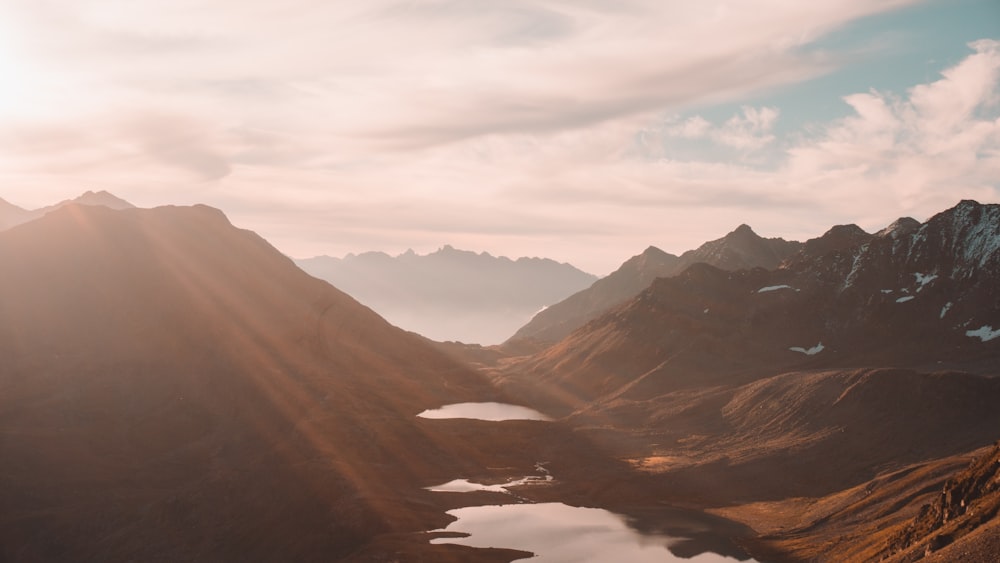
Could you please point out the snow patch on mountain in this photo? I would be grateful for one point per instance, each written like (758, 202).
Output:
(984, 333)
(810, 351)
(924, 279)
(774, 288)
(944, 310)
(905, 299)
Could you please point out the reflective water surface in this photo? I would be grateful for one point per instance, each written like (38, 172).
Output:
(484, 411)
(557, 532)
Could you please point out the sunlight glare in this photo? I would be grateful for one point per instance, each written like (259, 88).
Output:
(16, 77)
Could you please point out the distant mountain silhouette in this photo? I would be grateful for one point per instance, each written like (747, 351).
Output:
(740, 249)
(451, 294)
(11, 215)
(175, 389)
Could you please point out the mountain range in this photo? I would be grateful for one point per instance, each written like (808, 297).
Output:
(451, 294)
(860, 359)
(174, 388)
(920, 293)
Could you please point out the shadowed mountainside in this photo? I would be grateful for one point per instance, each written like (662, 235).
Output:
(896, 299)
(740, 249)
(820, 402)
(451, 295)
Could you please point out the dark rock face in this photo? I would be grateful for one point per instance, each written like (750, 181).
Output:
(740, 249)
(840, 238)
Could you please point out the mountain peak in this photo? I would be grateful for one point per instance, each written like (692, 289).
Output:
(838, 238)
(741, 249)
(650, 260)
(102, 197)
(899, 227)
(654, 251)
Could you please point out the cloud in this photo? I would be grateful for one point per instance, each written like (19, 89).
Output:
(694, 127)
(532, 124)
(922, 150)
(747, 131)
(411, 74)
(752, 130)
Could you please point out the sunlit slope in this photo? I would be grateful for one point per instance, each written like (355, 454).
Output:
(173, 388)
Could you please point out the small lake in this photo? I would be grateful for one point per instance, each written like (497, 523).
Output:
(558, 533)
(484, 411)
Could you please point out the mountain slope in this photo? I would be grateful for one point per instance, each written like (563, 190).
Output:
(173, 388)
(558, 320)
(819, 403)
(740, 249)
(966, 507)
(451, 294)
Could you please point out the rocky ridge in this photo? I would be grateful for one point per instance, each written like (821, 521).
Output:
(740, 249)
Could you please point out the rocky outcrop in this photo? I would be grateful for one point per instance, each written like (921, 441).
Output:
(967, 500)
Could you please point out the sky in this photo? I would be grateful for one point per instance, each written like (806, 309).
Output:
(579, 130)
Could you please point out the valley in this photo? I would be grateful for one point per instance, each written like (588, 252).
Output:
(174, 388)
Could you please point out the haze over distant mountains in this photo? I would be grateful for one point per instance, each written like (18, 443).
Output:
(450, 294)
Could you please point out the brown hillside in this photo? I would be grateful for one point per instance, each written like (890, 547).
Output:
(175, 389)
